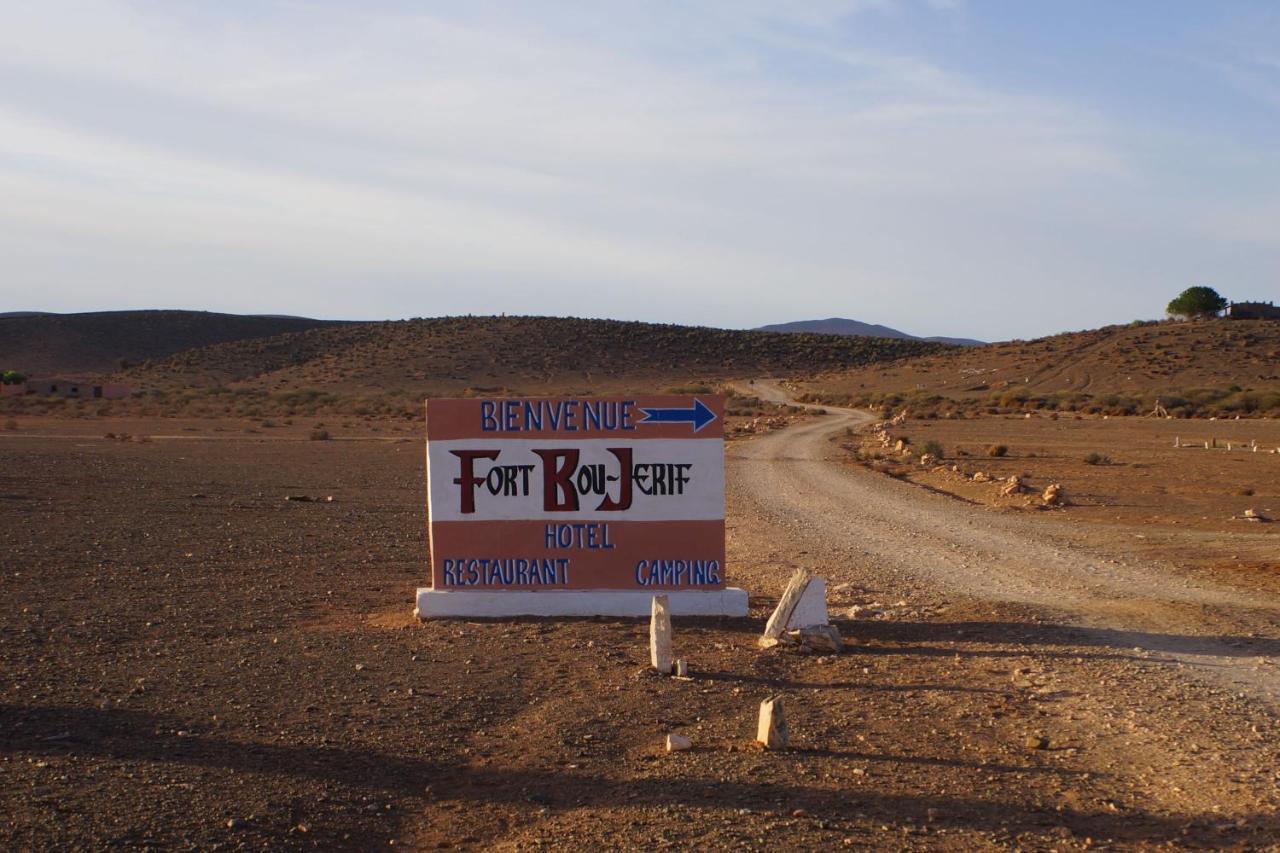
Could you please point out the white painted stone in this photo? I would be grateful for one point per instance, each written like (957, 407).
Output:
(678, 743)
(450, 603)
(781, 615)
(660, 635)
(772, 731)
(812, 607)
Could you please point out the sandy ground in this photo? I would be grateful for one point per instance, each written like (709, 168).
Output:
(192, 662)
(1151, 473)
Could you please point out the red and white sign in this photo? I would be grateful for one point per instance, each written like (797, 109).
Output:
(573, 494)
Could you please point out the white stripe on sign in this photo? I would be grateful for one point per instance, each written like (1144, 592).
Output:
(493, 479)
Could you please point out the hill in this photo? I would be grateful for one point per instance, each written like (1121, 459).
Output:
(47, 344)
(1217, 366)
(844, 326)
(525, 354)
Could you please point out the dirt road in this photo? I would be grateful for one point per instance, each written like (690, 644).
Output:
(865, 528)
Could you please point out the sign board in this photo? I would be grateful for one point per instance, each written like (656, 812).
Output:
(576, 506)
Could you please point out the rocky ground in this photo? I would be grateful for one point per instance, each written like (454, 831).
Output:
(191, 661)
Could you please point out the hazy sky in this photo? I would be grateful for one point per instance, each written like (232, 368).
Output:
(988, 169)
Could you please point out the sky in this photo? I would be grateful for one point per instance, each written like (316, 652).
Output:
(998, 170)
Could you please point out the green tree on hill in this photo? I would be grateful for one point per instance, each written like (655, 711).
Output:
(1197, 302)
(12, 377)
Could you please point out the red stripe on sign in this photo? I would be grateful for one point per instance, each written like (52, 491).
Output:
(669, 416)
(531, 555)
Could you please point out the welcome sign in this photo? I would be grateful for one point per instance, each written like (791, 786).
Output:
(576, 506)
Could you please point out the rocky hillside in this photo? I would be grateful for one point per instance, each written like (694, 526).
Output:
(525, 354)
(49, 344)
(1196, 364)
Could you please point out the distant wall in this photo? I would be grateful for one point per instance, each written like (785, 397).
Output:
(15, 390)
(59, 388)
(74, 388)
(1253, 311)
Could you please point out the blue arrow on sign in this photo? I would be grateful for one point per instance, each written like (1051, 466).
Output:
(699, 415)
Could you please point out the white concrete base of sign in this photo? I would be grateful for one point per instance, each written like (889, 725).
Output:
(450, 603)
(811, 609)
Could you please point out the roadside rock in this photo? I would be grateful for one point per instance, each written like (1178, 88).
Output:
(1035, 741)
(817, 638)
(678, 743)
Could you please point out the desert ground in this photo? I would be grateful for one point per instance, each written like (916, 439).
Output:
(193, 660)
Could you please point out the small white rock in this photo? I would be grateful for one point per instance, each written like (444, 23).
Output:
(678, 743)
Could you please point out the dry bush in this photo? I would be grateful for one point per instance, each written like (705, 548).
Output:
(997, 450)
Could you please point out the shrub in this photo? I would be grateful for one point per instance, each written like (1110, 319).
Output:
(997, 450)
(319, 435)
(1097, 459)
(934, 448)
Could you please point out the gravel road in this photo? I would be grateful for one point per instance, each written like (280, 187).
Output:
(857, 526)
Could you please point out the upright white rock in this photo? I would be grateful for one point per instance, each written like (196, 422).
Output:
(781, 617)
(811, 609)
(660, 635)
(771, 731)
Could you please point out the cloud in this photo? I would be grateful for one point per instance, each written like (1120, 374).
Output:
(727, 163)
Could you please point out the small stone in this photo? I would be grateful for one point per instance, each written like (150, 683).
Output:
(682, 668)
(818, 638)
(1034, 741)
(237, 823)
(678, 743)
(359, 667)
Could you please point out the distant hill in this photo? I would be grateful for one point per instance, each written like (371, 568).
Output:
(42, 344)
(1170, 359)
(528, 354)
(843, 326)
